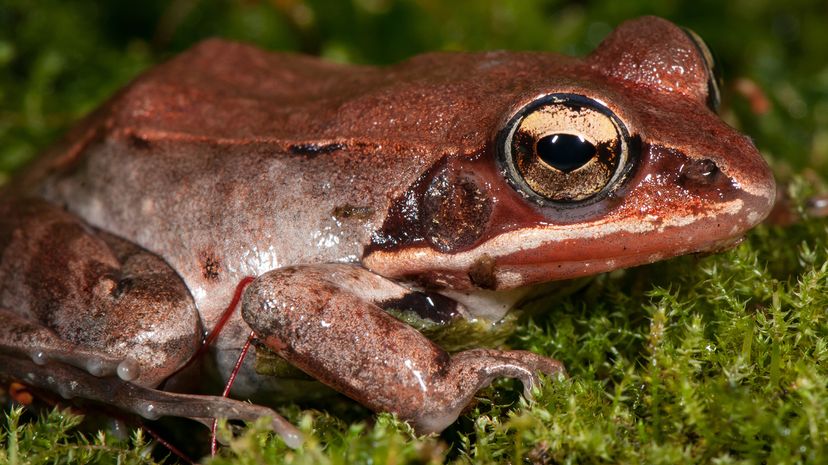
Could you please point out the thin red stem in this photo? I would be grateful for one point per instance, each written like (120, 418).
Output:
(225, 317)
(166, 444)
(228, 312)
(226, 392)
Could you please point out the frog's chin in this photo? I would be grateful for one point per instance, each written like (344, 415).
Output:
(721, 245)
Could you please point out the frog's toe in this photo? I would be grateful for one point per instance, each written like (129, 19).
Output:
(152, 404)
(532, 365)
(468, 372)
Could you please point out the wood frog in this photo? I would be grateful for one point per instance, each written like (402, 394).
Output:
(450, 185)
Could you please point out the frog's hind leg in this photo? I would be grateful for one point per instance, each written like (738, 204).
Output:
(26, 338)
(78, 292)
(149, 403)
(328, 321)
(80, 305)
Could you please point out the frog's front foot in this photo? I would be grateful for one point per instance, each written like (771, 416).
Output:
(467, 372)
(328, 321)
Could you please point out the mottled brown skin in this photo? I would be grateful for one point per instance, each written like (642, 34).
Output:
(333, 184)
(91, 290)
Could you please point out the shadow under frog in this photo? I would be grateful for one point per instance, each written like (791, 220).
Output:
(451, 184)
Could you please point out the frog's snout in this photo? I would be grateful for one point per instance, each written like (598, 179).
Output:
(757, 190)
(753, 184)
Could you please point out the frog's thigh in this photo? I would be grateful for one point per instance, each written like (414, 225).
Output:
(325, 320)
(86, 298)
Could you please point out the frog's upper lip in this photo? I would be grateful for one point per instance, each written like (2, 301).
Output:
(552, 252)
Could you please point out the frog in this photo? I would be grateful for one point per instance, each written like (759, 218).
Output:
(320, 195)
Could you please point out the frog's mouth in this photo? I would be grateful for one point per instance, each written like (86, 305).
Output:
(553, 252)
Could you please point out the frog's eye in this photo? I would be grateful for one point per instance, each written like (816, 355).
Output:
(564, 148)
(714, 79)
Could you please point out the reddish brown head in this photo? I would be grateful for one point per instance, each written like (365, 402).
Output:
(577, 167)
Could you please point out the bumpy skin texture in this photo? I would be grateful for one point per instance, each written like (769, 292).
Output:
(228, 161)
(95, 291)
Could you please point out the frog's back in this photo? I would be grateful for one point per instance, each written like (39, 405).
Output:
(232, 93)
(221, 91)
(215, 162)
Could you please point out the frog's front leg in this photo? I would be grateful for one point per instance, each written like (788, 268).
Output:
(325, 319)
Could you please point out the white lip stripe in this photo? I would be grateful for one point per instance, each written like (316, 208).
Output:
(534, 238)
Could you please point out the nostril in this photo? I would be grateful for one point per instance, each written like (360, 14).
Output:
(699, 172)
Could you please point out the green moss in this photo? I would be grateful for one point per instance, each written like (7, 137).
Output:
(718, 359)
(51, 439)
(462, 334)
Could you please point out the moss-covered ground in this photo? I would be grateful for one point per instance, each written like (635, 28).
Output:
(719, 359)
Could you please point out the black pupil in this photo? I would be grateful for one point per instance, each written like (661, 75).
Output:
(565, 152)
